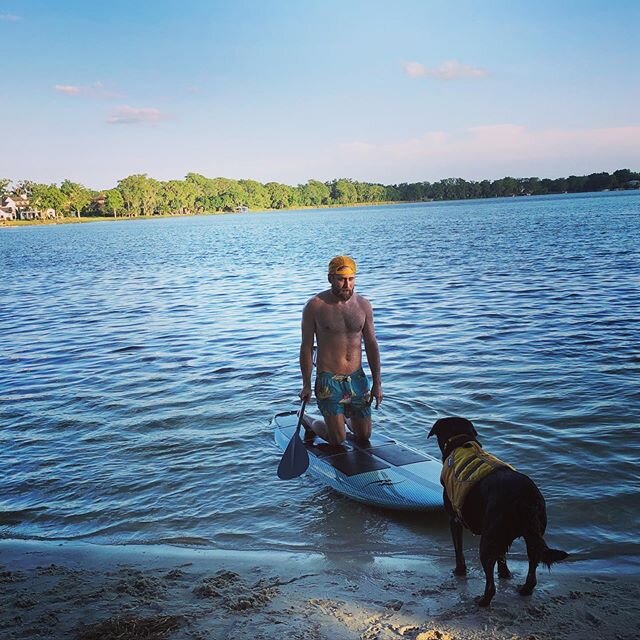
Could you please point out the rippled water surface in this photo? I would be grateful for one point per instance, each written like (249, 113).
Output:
(141, 363)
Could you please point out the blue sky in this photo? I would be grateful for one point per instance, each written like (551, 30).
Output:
(290, 90)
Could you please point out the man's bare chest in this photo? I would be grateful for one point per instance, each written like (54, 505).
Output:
(340, 320)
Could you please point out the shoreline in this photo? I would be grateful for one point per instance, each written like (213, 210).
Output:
(356, 205)
(163, 216)
(81, 590)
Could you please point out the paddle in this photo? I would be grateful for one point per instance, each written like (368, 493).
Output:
(295, 458)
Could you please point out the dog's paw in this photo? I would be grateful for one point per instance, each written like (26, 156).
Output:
(483, 601)
(460, 571)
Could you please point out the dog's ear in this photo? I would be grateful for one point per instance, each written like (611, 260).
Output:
(434, 429)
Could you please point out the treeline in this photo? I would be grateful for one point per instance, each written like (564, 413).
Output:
(140, 195)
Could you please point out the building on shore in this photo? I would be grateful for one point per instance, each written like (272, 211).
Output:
(16, 207)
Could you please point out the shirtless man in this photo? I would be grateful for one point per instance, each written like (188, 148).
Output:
(340, 319)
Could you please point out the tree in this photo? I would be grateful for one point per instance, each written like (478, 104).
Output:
(77, 197)
(255, 194)
(575, 184)
(47, 196)
(4, 188)
(281, 196)
(314, 193)
(114, 202)
(139, 193)
(597, 181)
(226, 194)
(343, 191)
(201, 186)
(507, 186)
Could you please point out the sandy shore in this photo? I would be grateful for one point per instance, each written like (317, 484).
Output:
(83, 591)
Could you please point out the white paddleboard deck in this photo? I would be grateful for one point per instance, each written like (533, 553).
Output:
(382, 473)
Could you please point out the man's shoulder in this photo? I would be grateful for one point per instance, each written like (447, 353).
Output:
(318, 300)
(362, 301)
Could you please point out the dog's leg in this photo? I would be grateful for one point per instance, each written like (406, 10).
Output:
(532, 553)
(456, 535)
(488, 558)
(503, 569)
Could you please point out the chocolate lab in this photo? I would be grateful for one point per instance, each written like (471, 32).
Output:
(493, 500)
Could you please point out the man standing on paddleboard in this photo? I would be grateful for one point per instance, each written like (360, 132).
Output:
(339, 319)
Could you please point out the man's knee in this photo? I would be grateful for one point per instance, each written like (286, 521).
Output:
(336, 433)
(336, 438)
(361, 427)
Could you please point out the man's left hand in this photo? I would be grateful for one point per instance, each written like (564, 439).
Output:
(376, 392)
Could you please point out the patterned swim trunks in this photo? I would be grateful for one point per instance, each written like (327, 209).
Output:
(343, 395)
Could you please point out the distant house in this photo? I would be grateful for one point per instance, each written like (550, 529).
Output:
(634, 184)
(16, 207)
(9, 209)
(99, 203)
(241, 209)
(37, 214)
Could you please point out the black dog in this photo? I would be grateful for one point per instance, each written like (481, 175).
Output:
(500, 507)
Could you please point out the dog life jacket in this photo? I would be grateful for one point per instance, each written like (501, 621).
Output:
(466, 465)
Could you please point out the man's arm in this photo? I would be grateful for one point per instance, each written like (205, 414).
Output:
(373, 354)
(306, 350)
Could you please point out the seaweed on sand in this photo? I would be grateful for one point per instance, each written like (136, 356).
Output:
(130, 628)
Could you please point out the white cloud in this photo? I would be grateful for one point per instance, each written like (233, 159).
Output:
(9, 17)
(133, 115)
(95, 90)
(496, 151)
(448, 70)
(67, 89)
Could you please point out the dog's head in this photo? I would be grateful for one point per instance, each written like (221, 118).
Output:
(451, 433)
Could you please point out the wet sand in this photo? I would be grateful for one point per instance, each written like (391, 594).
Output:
(84, 591)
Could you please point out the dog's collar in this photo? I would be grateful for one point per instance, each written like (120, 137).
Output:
(450, 444)
(454, 438)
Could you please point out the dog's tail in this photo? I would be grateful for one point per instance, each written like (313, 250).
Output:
(536, 520)
(549, 556)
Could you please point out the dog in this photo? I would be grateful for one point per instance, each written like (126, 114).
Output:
(502, 505)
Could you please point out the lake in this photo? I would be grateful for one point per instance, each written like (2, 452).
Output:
(142, 361)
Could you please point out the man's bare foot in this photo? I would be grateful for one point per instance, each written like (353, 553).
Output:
(309, 433)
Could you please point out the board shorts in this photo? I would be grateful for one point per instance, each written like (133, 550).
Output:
(343, 395)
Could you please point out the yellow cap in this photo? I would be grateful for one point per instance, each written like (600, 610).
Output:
(342, 266)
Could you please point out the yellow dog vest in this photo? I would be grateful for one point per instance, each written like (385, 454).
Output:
(463, 468)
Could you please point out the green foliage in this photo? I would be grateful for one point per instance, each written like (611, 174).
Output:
(140, 195)
(281, 196)
(114, 202)
(256, 195)
(343, 191)
(47, 196)
(314, 194)
(77, 198)
(4, 187)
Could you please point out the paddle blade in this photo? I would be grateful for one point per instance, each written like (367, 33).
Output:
(295, 459)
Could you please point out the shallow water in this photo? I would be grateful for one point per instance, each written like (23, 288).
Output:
(141, 363)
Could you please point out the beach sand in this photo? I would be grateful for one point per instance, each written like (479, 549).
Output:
(85, 591)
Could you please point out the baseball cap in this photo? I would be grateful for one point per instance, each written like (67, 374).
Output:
(342, 266)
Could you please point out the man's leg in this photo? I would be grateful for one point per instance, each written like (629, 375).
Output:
(361, 427)
(359, 410)
(331, 428)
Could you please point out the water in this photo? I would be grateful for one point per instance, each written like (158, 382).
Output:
(141, 362)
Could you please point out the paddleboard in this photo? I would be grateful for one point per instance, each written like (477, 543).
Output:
(382, 473)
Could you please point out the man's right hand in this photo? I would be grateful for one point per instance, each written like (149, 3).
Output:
(305, 394)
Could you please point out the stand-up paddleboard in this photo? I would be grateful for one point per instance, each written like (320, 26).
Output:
(382, 473)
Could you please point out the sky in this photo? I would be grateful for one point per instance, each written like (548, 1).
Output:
(292, 90)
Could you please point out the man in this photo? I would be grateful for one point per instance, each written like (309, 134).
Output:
(340, 319)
